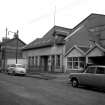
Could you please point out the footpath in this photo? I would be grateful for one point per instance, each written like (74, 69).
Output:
(49, 76)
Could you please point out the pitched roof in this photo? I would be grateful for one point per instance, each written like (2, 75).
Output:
(96, 45)
(48, 38)
(81, 49)
(10, 40)
(81, 24)
(84, 48)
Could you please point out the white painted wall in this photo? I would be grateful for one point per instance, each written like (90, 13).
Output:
(46, 51)
(74, 53)
(43, 51)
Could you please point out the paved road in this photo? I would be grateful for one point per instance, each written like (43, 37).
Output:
(16, 90)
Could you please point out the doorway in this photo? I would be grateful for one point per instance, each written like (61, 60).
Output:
(44, 63)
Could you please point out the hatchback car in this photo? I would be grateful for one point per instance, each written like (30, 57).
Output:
(92, 76)
(16, 69)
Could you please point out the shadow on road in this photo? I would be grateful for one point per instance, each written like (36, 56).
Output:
(92, 89)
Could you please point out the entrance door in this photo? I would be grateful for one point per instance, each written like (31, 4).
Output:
(44, 63)
(52, 63)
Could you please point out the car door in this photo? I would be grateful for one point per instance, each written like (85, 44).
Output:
(99, 78)
(11, 69)
(87, 77)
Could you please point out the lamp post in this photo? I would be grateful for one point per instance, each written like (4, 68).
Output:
(4, 56)
(17, 46)
(16, 36)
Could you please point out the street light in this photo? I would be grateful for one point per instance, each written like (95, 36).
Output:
(16, 35)
(4, 56)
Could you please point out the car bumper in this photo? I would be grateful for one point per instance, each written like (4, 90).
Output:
(20, 72)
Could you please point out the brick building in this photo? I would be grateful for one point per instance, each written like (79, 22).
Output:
(11, 49)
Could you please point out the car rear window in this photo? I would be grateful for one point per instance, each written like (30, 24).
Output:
(100, 70)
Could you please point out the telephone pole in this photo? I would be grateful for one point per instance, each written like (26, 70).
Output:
(5, 45)
(17, 46)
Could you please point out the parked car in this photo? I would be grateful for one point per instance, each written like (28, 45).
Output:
(92, 76)
(16, 69)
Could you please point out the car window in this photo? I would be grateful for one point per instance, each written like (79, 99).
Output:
(91, 70)
(20, 66)
(100, 70)
(13, 65)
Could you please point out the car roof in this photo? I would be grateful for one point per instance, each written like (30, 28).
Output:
(97, 66)
(14, 64)
(18, 64)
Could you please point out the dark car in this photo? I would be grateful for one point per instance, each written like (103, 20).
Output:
(92, 76)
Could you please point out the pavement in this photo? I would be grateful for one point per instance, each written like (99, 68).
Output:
(49, 76)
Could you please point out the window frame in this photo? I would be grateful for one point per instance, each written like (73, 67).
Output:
(73, 61)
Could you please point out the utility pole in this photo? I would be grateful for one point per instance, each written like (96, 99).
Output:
(5, 44)
(17, 46)
(54, 43)
(16, 37)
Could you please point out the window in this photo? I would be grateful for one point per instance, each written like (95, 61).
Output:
(32, 60)
(75, 62)
(91, 70)
(100, 70)
(13, 65)
(29, 60)
(69, 62)
(58, 61)
(36, 61)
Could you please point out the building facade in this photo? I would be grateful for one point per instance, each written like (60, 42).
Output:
(46, 54)
(11, 51)
(91, 34)
(75, 58)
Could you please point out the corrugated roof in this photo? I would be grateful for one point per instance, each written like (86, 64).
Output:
(48, 38)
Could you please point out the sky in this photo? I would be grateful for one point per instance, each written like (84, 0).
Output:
(34, 18)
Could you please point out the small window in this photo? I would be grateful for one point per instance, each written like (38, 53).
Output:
(100, 70)
(91, 70)
(69, 59)
(75, 58)
(58, 61)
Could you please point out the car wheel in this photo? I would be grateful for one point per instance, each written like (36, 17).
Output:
(75, 83)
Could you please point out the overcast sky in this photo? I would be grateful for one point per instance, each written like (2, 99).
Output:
(34, 18)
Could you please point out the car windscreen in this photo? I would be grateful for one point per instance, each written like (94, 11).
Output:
(91, 70)
(100, 70)
(13, 65)
(20, 66)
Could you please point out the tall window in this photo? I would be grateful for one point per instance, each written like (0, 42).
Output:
(75, 62)
(57, 61)
(29, 61)
(36, 61)
(32, 60)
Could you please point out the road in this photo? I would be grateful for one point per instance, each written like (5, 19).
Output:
(17, 90)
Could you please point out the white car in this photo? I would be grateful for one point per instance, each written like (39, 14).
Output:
(16, 69)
